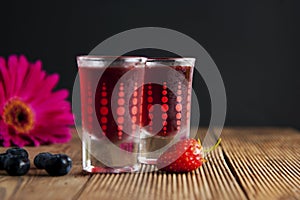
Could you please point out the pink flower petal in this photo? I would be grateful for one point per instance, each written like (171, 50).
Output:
(50, 82)
(2, 97)
(55, 97)
(32, 82)
(21, 73)
(13, 72)
(4, 78)
(2, 61)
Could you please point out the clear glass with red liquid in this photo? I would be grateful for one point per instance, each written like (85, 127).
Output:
(166, 105)
(111, 107)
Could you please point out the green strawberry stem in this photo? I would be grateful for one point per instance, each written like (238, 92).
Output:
(213, 147)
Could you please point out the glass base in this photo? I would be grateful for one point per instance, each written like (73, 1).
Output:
(101, 156)
(152, 147)
(148, 161)
(116, 170)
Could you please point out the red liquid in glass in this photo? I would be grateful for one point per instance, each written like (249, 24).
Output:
(173, 97)
(97, 86)
(103, 99)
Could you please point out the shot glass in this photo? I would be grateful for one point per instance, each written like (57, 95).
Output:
(111, 107)
(166, 105)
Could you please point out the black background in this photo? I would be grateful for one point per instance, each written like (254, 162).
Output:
(255, 45)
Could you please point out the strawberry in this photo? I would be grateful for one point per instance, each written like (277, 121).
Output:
(184, 156)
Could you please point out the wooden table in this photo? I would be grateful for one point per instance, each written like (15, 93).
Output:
(251, 163)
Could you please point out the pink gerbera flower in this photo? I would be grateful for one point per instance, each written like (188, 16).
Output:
(30, 112)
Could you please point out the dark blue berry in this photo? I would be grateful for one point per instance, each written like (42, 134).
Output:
(40, 159)
(3, 157)
(16, 165)
(17, 152)
(58, 165)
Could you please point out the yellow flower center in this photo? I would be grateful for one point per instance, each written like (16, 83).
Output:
(18, 115)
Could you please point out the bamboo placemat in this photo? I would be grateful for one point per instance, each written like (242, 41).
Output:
(251, 163)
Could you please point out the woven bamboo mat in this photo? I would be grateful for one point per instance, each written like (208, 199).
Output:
(266, 162)
(251, 163)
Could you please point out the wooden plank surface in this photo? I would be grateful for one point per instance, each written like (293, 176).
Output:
(266, 161)
(251, 163)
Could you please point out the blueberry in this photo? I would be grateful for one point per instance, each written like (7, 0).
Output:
(16, 165)
(40, 159)
(3, 157)
(58, 165)
(18, 152)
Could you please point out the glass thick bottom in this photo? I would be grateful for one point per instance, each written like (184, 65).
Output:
(151, 147)
(99, 157)
(97, 169)
(148, 161)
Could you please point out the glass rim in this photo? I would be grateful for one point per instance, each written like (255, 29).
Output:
(167, 59)
(170, 61)
(98, 58)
